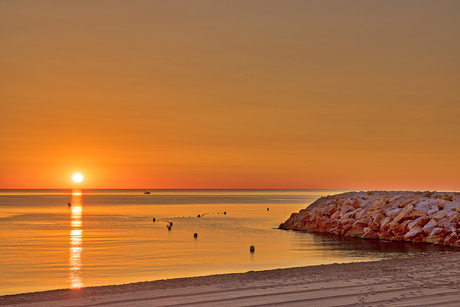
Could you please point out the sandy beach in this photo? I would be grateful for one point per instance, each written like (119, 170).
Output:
(418, 281)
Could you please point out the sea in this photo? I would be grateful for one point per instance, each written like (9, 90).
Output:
(57, 239)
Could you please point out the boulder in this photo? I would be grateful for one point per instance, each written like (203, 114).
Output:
(421, 221)
(356, 203)
(451, 238)
(414, 232)
(435, 239)
(397, 229)
(349, 214)
(442, 214)
(328, 210)
(423, 205)
(428, 217)
(404, 214)
(361, 213)
(393, 213)
(428, 228)
(346, 209)
(376, 221)
(418, 213)
(368, 233)
(432, 210)
(385, 222)
(336, 215)
(350, 221)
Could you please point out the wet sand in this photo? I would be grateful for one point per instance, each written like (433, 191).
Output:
(420, 281)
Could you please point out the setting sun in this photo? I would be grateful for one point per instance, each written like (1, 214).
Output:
(77, 178)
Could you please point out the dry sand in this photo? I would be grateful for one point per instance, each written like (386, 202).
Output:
(418, 281)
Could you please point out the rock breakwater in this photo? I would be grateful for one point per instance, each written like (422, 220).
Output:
(419, 217)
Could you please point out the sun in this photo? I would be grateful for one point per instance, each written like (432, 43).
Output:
(77, 178)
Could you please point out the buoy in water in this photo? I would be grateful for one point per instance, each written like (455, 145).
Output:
(252, 249)
(195, 235)
(268, 209)
(169, 227)
(199, 215)
(225, 212)
(154, 219)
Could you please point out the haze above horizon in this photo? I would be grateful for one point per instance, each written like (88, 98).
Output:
(230, 94)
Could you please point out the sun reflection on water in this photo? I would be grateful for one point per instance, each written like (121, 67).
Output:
(76, 238)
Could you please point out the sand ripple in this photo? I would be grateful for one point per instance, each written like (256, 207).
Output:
(419, 281)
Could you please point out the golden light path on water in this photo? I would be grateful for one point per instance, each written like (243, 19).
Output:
(76, 237)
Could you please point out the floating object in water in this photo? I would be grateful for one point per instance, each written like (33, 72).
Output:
(268, 209)
(225, 212)
(169, 227)
(195, 235)
(252, 249)
(170, 223)
(146, 192)
(154, 219)
(69, 204)
(199, 215)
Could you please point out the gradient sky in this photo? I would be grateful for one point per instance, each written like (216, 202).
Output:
(230, 94)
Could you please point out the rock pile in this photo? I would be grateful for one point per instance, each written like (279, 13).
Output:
(428, 217)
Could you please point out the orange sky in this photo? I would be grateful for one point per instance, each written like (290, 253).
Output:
(230, 94)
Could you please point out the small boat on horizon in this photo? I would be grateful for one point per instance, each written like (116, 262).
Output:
(146, 192)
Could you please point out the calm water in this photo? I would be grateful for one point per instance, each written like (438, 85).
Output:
(109, 237)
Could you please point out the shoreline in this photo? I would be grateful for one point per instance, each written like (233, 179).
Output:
(427, 280)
